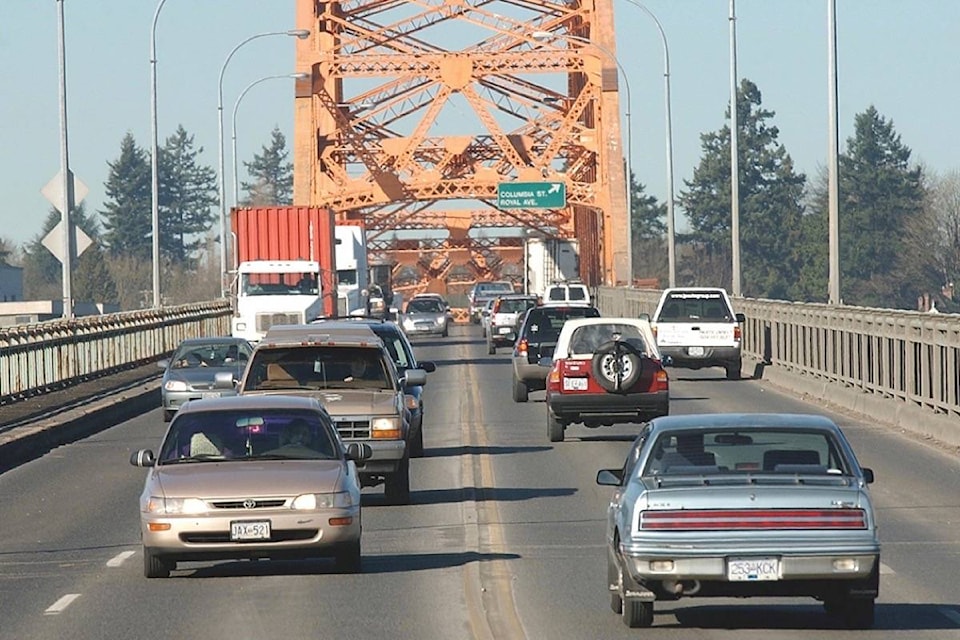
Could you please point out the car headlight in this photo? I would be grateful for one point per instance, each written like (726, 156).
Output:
(386, 428)
(314, 501)
(160, 506)
(407, 323)
(176, 385)
(411, 402)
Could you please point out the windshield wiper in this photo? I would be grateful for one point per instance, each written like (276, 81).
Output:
(201, 457)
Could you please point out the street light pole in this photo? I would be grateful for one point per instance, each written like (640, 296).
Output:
(299, 33)
(66, 185)
(543, 35)
(734, 157)
(233, 123)
(671, 229)
(154, 159)
(833, 188)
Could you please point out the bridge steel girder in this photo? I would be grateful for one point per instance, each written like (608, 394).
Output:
(395, 128)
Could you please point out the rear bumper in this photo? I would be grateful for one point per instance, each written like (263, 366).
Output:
(711, 357)
(533, 374)
(497, 335)
(614, 407)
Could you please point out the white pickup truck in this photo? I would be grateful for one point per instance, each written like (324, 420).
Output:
(696, 327)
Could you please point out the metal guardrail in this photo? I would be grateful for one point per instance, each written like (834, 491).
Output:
(908, 356)
(41, 357)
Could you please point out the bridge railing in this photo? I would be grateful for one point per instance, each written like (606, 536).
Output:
(49, 355)
(908, 356)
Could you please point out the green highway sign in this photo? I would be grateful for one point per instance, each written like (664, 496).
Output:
(531, 195)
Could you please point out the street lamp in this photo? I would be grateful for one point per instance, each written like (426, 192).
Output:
(734, 156)
(155, 161)
(233, 122)
(298, 33)
(671, 232)
(546, 35)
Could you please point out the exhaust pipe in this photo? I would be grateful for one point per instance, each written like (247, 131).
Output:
(681, 587)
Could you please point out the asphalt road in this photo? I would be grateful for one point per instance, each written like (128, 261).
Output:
(503, 539)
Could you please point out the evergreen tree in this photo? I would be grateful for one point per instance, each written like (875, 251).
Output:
(127, 213)
(880, 197)
(6, 251)
(648, 229)
(92, 281)
(188, 191)
(771, 193)
(272, 174)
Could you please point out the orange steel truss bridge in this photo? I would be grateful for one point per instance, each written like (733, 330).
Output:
(415, 113)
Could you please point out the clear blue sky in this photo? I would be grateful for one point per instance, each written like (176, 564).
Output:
(901, 56)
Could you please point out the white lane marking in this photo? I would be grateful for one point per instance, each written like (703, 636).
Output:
(61, 604)
(118, 559)
(950, 613)
(886, 571)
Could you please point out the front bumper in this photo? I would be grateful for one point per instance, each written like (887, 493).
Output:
(173, 400)
(387, 455)
(293, 533)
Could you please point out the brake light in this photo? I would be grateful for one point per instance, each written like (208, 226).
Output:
(743, 519)
(653, 328)
(521, 350)
(496, 307)
(736, 333)
(553, 378)
(661, 381)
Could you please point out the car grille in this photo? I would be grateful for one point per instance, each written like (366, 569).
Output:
(753, 519)
(271, 503)
(276, 535)
(353, 428)
(267, 320)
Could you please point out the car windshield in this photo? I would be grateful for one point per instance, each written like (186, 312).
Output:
(699, 306)
(746, 452)
(588, 338)
(318, 367)
(424, 305)
(250, 434)
(209, 355)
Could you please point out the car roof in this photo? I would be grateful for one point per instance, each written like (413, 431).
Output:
(250, 402)
(357, 334)
(744, 420)
(575, 323)
(213, 340)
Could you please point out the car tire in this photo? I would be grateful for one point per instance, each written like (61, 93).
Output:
(520, 391)
(168, 415)
(554, 427)
(613, 580)
(733, 370)
(491, 348)
(637, 613)
(396, 487)
(154, 565)
(616, 366)
(446, 332)
(416, 445)
(348, 559)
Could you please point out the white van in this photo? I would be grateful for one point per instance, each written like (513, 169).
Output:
(696, 327)
(568, 292)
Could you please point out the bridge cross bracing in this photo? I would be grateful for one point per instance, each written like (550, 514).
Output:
(415, 112)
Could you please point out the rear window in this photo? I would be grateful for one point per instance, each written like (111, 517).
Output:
(695, 306)
(318, 367)
(588, 338)
(545, 323)
(515, 305)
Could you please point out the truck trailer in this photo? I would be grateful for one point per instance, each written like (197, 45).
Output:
(285, 267)
(548, 261)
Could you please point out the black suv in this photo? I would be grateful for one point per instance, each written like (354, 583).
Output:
(536, 339)
(397, 343)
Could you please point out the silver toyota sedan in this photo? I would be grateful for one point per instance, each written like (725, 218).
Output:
(250, 477)
(190, 373)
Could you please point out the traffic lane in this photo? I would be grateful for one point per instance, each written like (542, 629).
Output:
(521, 427)
(414, 559)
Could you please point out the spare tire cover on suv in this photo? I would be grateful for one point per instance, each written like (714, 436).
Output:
(616, 366)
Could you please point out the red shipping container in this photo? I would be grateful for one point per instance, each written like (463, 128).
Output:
(288, 233)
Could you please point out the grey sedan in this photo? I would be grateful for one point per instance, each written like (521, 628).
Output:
(425, 316)
(739, 505)
(189, 374)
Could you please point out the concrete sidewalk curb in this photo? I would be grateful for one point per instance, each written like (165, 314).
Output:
(28, 442)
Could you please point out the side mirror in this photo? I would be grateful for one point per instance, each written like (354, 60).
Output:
(740, 318)
(427, 366)
(163, 364)
(610, 477)
(142, 458)
(414, 378)
(358, 451)
(645, 316)
(667, 361)
(224, 380)
(867, 475)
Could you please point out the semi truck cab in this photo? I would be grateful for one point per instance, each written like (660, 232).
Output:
(273, 292)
